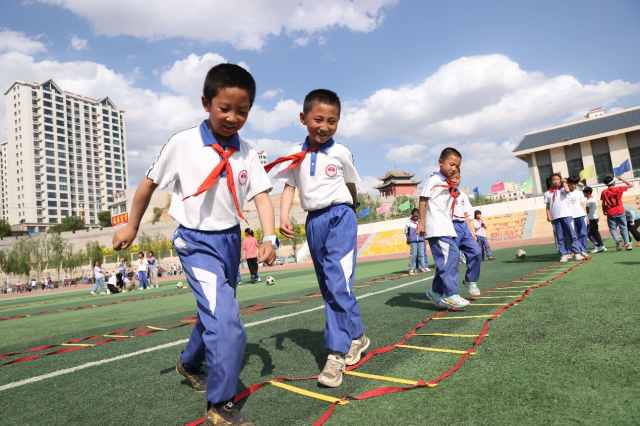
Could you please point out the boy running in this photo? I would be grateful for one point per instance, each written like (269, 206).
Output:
(592, 214)
(436, 224)
(212, 159)
(613, 208)
(326, 178)
(464, 239)
(560, 216)
(578, 205)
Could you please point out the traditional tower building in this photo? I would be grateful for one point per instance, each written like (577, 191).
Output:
(396, 183)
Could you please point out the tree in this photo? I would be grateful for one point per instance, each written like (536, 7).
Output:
(69, 223)
(39, 253)
(104, 219)
(71, 261)
(19, 259)
(299, 236)
(59, 248)
(5, 229)
(372, 203)
(94, 252)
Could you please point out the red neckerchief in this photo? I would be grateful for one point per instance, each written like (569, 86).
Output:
(554, 191)
(452, 192)
(590, 196)
(294, 158)
(481, 223)
(215, 174)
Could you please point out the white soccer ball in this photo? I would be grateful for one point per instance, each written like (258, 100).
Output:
(179, 285)
(521, 254)
(271, 281)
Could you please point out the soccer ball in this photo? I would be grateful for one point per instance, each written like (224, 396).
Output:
(179, 285)
(271, 281)
(521, 254)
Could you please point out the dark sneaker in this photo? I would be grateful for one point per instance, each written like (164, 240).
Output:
(226, 415)
(358, 345)
(619, 245)
(196, 377)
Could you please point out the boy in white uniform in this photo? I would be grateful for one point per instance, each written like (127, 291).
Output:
(325, 176)
(436, 224)
(578, 205)
(592, 214)
(560, 216)
(208, 239)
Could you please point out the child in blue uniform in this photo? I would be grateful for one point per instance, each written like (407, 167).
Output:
(560, 216)
(436, 215)
(464, 239)
(416, 243)
(325, 176)
(213, 172)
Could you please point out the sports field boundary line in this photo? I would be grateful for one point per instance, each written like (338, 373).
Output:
(35, 379)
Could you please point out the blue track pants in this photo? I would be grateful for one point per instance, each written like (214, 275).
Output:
(142, 279)
(582, 232)
(446, 257)
(562, 226)
(468, 245)
(210, 261)
(332, 238)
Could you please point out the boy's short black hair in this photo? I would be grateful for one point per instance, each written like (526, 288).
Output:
(225, 76)
(476, 213)
(587, 189)
(322, 96)
(448, 152)
(247, 231)
(608, 180)
(141, 253)
(414, 211)
(573, 179)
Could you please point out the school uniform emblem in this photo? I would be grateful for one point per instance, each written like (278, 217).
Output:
(242, 177)
(331, 170)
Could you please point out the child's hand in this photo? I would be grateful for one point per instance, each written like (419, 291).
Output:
(267, 253)
(286, 228)
(548, 218)
(421, 230)
(124, 237)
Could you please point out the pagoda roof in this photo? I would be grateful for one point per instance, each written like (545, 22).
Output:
(398, 182)
(397, 174)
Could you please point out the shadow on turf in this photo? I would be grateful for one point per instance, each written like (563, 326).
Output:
(550, 257)
(412, 300)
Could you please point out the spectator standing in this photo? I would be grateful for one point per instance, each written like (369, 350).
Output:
(153, 270)
(481, 234)
(142, 272)
(592, 215)
(614, 209)
(416, 243)
(98, 273)
(250, 248)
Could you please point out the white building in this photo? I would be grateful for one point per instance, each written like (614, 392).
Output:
(69, 152)
(511, 191)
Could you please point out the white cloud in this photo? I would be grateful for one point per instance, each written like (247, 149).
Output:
(269, 94)
(78, 44)
(274, 148)
(367, 184)
(15, 41)
(473, 98)
(285, 114)
(408, 154)
(161, 19)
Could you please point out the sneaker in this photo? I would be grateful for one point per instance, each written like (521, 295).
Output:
(619, 244)
(629, 246)
(196, 377)
(411, 272)
(93, 293)
(157, 286)
(564, 258)
(425, 270)
(108, 291)
(437, 299)
(331, 375)
(454, 300)
(579, 257)
(601, 249)
(358, 345)
(259, 280)
(239, 283)
(584, 254)
(596, 250)
(472, 287)
(638, 244)
(225, 415)
(102, 293)
(492, 258)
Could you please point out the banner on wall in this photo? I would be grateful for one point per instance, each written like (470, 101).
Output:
(120, 219)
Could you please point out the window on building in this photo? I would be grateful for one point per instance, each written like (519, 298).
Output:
(544, 172)
(51, 220)
(575, 167)
(603, 166)
(53, 212)
(635, 160)
(52, 203)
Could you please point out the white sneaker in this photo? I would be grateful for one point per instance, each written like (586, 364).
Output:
(102, 293)
(595, 250)
(584, 254)
(455, 300)
(601, 249)
(93, 293)
(579, 257)
(157, 286)
(108, 291)
(472, 287)
(564, 258)
(629, 246)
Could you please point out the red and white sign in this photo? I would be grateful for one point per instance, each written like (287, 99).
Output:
(120, 219)
(331, 170)
(242, 177)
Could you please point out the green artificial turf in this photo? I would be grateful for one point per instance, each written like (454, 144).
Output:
(564, 355)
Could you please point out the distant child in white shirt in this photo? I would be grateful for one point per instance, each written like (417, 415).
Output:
(578, 205)
(142, 272)
(416, 243)
(436, 224)
(481, 235)
(560, 216)
(592, 214)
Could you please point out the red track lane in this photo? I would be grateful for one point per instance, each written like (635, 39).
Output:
(386, 390)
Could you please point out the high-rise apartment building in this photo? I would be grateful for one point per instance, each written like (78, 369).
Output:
(4, 208)
(65, 154)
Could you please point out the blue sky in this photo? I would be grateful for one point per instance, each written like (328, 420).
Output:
(414, 75)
